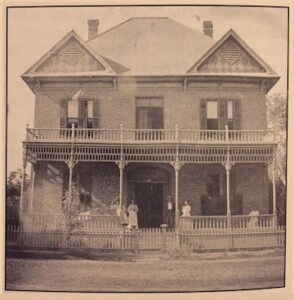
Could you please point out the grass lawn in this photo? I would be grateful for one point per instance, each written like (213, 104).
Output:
(206, 273)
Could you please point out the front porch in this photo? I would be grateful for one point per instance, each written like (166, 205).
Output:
(175, 148)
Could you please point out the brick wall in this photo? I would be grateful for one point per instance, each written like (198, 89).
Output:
(105, 186)
(48, 187)
(180, 107)
(251, 181)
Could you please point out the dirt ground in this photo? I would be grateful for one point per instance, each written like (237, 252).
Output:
(147, 274)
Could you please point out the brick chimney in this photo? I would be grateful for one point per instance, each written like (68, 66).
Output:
(208, 28)
(92, 28)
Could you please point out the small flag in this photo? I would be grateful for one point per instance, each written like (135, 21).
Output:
(77, 95)
(197, 18)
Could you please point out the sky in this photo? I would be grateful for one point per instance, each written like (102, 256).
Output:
(33, 31)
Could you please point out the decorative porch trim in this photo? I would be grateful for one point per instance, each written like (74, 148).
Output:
(150, 153)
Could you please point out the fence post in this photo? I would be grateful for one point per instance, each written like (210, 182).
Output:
(164, 234)
(135, 240)
(178, 237)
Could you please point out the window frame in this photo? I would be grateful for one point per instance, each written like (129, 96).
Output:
(149, 108)
(81, 120)
(222, 114)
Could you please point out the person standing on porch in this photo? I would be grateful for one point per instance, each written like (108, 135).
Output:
(169, 212)
(186, 209)
(115, 205)
(121, 212)
(124, 216)
(133, 211)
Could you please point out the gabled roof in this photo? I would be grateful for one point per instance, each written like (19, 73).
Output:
(102, 65)
(231, 55)
(152, 46)
(146, 47)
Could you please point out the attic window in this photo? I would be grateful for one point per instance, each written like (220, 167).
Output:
(230, 53)
(72, 54)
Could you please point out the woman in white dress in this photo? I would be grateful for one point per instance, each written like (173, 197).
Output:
(133, 211)
(186, 210)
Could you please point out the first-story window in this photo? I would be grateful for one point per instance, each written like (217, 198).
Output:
(214, 202)
(83, 113)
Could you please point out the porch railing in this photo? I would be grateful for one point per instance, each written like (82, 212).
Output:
(122, 135)
(91, 221)
(221, 222)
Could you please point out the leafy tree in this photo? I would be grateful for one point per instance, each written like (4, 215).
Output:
(70, 208)
(13, 191)
(277, 121)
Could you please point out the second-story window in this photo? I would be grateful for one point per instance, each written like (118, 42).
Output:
(149, 113)
(83, 113)
(217, 113)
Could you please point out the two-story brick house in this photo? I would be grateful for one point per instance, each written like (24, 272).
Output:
(147, 109)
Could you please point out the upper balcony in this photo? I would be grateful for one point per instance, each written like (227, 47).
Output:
(149, 136)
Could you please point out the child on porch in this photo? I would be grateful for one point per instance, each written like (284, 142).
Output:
(121, 212)
(115, 205)
(253, 218)
(124, 216)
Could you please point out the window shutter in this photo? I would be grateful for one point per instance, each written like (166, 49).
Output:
(96, 109)
(237, 114)
(222, 114)
(203, 114)
(81, 118)
(63, 113)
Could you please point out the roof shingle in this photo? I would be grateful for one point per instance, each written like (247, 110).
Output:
(152, 46)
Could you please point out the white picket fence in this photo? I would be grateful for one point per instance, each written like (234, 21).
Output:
(146, 238)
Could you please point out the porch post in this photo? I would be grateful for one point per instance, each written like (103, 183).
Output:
(121, 165)
(71, 163)
(228, 168)
(274, 190)
(177, 166)
(228, 165)
(177, 214)
(24, 164)
(31, 204)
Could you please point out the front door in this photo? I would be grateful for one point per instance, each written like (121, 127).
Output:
(149, 198)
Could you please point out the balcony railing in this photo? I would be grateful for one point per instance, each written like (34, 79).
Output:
(126, 136)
